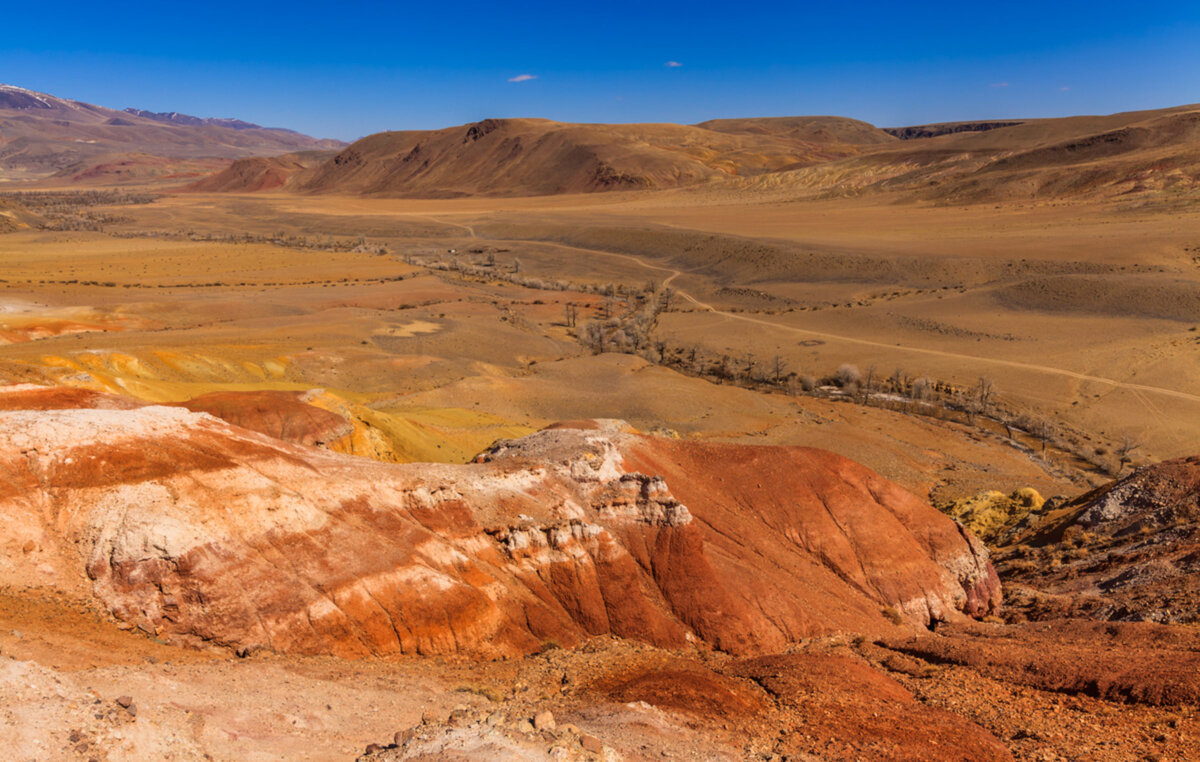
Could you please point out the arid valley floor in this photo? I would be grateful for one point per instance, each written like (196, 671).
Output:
(651, 473)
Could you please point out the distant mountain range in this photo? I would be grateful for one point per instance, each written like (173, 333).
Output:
(174, 117)
(44, 136)
(539, 156)
(793, 157)
(50, 139)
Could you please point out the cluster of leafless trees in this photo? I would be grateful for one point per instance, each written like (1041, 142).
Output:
(488, 269)
(978, 405)
(628, 316)
(626, 321)
(73, 210)
(358, 245)
(52, 202)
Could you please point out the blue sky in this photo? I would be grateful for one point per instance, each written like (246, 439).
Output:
(350, 69)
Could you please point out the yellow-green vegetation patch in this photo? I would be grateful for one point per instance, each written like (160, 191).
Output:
(994, 516)
(446, 435)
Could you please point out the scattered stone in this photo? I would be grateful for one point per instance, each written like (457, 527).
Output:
(544, 720)
(592, 744)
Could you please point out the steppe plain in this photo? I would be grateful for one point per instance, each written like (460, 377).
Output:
(431, 328)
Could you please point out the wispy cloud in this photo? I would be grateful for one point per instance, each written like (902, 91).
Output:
(998, 84)
(672, 64)
(1063, 89)
(522, 78)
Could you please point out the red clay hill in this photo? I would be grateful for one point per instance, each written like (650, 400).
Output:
(199, 531)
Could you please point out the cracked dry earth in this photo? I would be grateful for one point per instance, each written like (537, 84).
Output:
(178, 587)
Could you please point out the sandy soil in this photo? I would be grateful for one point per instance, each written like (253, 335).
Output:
(1083, 312)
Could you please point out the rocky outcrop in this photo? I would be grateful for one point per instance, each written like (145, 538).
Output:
(1127, 551)
(202, 532)
(948, 128)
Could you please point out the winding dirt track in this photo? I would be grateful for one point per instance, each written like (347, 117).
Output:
(1047, 369)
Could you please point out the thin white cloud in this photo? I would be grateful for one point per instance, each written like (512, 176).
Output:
(522, 78)
(1063, 89)
(672, 64)
(999, 84)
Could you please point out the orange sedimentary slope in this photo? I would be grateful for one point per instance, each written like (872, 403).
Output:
(134, 167)
(21, 322)
(202, 532)
(282, 415)
(505, 157)
(258, 173)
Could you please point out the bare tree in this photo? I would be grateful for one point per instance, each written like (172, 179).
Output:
(594, 336)
(969, 404)
(985, 391)
(1125, 449)
(868, 384)
(778, 368)
(870, 379)
(921, 388)
(660, 347)
(727, 368)
(749, 364)
(1042, 429)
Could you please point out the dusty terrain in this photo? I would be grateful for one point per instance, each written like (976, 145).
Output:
(278, 483)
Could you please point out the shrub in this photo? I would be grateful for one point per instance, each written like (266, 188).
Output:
(848, 375)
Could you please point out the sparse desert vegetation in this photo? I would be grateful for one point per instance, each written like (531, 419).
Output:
(751, 439)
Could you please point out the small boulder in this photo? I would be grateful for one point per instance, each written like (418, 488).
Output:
(544, 720)
(592, 744)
